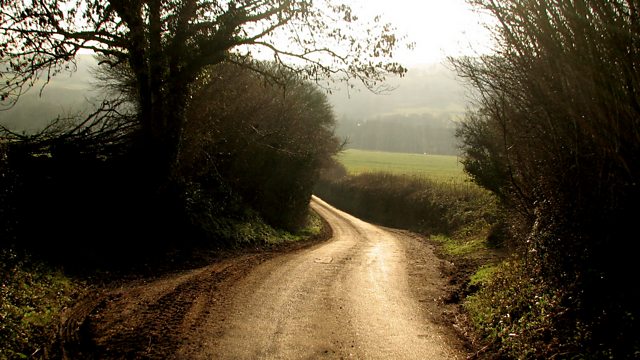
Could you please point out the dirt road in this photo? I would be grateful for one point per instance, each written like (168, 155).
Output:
(368, 293)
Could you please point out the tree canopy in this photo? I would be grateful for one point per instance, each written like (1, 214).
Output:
(40, 38)
(167, 43)
(265, 140)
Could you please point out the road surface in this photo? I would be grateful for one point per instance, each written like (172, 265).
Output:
(348, 298)
(367, 293)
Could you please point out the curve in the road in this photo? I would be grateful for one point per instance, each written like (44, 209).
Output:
(350, 297)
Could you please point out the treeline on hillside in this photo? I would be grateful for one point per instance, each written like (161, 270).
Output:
(557, 139)
(251, 151)
(425, 89)
(418, 134)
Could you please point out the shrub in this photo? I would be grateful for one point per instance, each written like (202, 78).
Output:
(266, 141)
(517, 314)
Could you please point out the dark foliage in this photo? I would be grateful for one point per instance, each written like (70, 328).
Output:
(81, 198)
(557, 139)
(265, 140)
(74, 207)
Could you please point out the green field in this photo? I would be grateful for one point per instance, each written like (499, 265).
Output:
(443, 168)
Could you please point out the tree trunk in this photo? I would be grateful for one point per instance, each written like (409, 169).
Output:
(160, 103)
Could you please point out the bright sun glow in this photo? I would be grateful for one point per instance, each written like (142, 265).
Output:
(439, 28)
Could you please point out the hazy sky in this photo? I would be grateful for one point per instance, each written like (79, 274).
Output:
(439, 28)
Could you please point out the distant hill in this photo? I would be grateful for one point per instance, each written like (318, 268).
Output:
(418, 134)
(428, 89)
(419, 116)
(67, 93)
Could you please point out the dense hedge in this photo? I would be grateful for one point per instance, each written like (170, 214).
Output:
(556, 136)
(411, 202)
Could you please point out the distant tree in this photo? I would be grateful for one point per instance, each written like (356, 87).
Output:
(557, 136)
(423, 133)
(166, 45)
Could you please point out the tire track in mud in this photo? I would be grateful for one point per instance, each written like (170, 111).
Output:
(150, 319)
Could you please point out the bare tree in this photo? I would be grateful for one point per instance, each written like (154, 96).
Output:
(167, 43)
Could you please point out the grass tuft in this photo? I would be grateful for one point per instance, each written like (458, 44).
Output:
(460, 247)
(483, 276)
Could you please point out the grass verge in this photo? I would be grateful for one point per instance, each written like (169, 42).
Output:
(32, 297)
